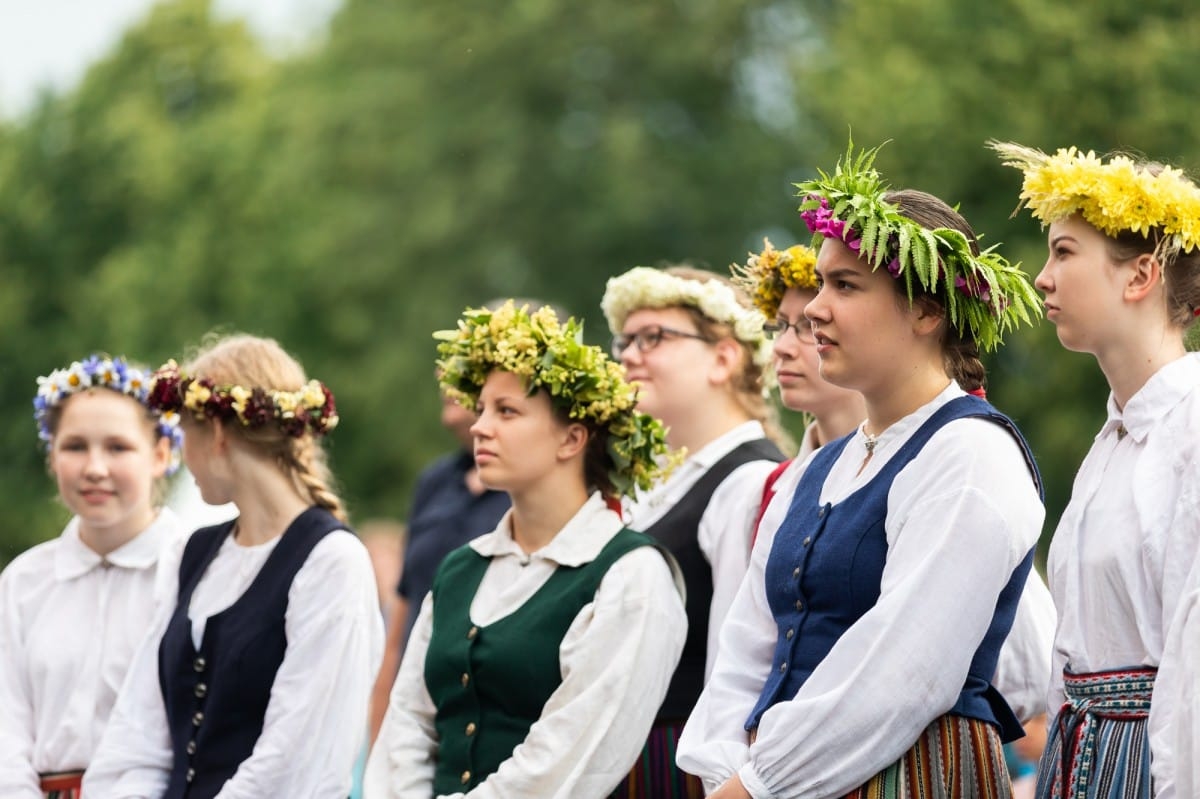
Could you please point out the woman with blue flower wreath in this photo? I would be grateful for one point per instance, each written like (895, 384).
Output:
(545, 647)
(1122, 282)
(857, 657)
(74, 610)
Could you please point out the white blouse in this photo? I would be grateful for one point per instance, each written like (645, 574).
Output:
(1120, 556)
(1023, 668)
(70, 623)
(967, 496)
(616, 658)
(1178, 688)
(725, 526)
(316, 719)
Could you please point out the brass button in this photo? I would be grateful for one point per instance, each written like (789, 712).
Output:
(470, 728)
(799, 605)
(464, 679)
(201, 690)
(796, 572)
(789, 633)
(198, 718)
(198, 664)
(191, 747)
(466, 777)
(807, 540)
(471, 633)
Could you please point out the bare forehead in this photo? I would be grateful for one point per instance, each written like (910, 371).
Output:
(834, 256)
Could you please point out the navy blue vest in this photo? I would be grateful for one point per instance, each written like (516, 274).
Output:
(826, 566)
(676, 531)
(216, 698)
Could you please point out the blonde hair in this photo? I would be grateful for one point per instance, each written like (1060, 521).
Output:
(255, 362)
(748, 385)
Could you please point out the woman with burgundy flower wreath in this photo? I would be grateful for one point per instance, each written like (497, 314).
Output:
(857, 657)
(257, 682)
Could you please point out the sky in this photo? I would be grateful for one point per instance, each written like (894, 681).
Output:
(51, 43)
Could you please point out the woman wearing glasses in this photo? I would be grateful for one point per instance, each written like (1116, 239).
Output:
(696, 349)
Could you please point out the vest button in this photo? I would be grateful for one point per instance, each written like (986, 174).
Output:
(191, 774)
(799, 605)
(198, 718)
(790, 633)
(464, 679)
(466, 777)
(198, 664)
(201, 690)
(471, 728)
(471, 633)
(821, 513)
(796, 572)
(191, 747)
(807, 540)
(783, 667)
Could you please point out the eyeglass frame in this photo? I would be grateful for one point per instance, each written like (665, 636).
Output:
(649, 337)
(778, 328)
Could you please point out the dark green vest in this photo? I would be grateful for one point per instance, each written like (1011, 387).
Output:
(489, 684)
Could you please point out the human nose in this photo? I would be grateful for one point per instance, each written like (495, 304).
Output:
(96, 465)
(628, 354)
(817, 310)
(1044, 282)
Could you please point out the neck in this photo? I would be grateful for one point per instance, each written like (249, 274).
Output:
(267, 500)
(1127, 364)
(103, 540)
(702, 425)
(839, 421)
(890, 404)
(541, 512)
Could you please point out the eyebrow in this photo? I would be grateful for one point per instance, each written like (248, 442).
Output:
(1061, 237)
(839, 272)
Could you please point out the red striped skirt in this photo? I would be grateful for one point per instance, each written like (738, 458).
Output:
(655, 775)
(62, 785)
(955, 758)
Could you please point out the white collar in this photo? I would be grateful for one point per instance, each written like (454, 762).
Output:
(74, 558)
(577, 543)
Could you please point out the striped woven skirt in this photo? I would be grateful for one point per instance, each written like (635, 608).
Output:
(61, 785)
(955, 758)
(655, 775)
(1098, 745)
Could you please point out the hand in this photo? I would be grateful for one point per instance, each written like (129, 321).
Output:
(732, 789)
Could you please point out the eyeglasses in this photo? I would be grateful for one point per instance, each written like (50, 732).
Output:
(648, 338)
(779, 327)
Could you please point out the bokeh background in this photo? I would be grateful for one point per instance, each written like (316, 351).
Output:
(352, 191)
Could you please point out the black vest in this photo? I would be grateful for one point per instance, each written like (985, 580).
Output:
(216, 698)
(676, 530)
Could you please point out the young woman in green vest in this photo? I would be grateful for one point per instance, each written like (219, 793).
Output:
(544, 649)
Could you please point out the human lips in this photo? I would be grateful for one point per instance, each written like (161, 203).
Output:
(483, 455)
(96, 496)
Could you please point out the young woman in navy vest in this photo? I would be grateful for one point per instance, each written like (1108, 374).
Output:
(696, 349)
(74, 609)
(1122, 282)
(258, 684)
(544, 648)
(857, 656)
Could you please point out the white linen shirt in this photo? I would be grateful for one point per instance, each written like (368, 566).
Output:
(71, 621)
(1178, 688)
(617, 659)
(315, 723)
(967, 497)
(724, 530)
(1120, 556)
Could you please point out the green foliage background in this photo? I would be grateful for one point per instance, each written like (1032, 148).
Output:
(352, 198)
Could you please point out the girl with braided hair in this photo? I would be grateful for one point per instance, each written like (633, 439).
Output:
(258, 682)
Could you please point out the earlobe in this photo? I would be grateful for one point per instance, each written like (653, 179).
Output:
(926, 319)
(574, 441)
(728, 356)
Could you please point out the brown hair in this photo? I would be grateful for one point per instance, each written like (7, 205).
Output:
(960, 353)
(749, 381)
(1181, 272)
(256, 362)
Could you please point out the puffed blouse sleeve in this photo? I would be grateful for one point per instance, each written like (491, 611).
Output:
(962, 516)
(616, 658)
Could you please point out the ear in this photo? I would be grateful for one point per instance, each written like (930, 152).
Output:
(1145, 277)
(161, 456)
(729, 358)
(573, 441)
(927, 318)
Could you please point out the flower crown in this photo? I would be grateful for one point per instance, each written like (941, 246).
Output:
(99, 371)
(1114, 197)
(580, 379)
(644, 287)
(311, 409)
(984, 294)
(767, 275)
